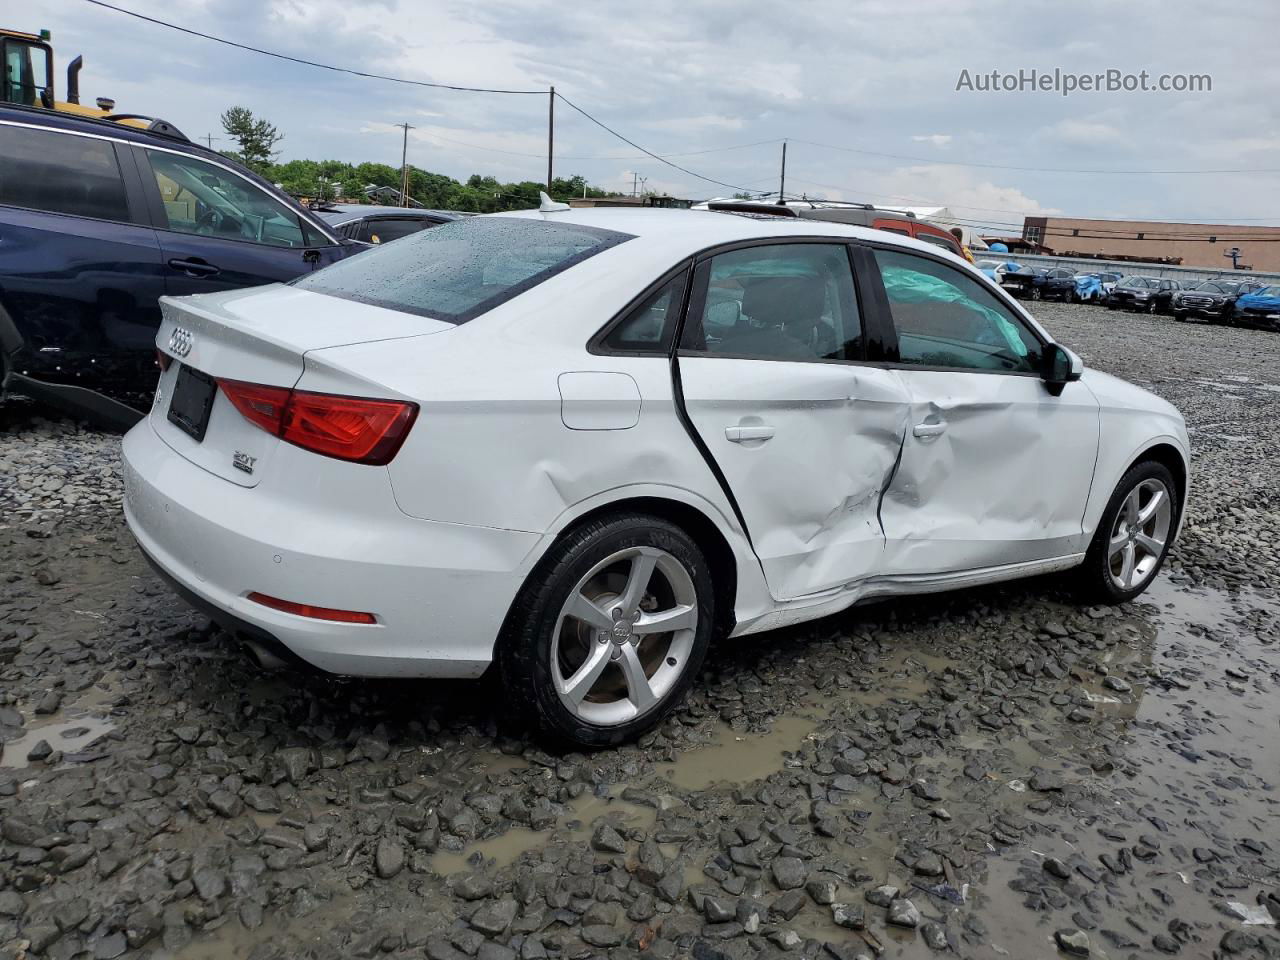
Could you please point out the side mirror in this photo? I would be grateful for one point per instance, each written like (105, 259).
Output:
(1061, 367)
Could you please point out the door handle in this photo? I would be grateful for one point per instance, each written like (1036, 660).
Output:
(195, 267)
(926, 431)
(743, 434)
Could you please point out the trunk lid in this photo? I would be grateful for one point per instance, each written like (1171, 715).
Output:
(260, 335)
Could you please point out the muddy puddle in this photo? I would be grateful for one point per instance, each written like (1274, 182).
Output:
(73, 730)
(575, 825)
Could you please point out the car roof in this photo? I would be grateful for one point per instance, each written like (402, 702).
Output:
(57, 119)
(698, 229)
(339, 213)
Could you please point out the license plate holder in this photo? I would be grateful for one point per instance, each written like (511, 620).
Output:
(192, 400)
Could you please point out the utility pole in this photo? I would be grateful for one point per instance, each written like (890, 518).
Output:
(404, 165)
(635, 182)
(782, 181)
(209, 138)
(551, 132)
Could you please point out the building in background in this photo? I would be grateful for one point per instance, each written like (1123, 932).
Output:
(1185, 244)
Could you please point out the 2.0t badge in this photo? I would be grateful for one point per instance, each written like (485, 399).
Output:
(242, 461)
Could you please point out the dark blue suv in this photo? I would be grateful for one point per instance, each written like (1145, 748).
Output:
(98, 220)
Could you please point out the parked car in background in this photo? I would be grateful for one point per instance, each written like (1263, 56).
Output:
(1260, 308)
(1106, 283)
(580, 445)
(853, 214)
(98, 220)
(995, 269)
(1148, 294)
(374, 224)
(1042, 283)
(1210, 300)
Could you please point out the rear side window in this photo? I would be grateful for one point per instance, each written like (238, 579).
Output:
(61, 173)
(945, 318)
(650, 326)
(791, 301)
(459, 270)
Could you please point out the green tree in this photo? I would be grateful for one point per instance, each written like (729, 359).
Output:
(257, 137)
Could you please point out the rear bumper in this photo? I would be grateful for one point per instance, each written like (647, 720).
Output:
(439, 591)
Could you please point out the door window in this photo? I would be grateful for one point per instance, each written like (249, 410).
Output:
(790, 301)
(61, 173)
(386, 230)
(203, 199)
(945, 318)
(937, 241)
(26, 72)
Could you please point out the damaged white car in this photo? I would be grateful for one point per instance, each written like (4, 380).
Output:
(579, 444)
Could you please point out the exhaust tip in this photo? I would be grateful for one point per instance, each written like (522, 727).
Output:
(265, 658)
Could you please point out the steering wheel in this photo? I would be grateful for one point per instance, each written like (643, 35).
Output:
(210, 222)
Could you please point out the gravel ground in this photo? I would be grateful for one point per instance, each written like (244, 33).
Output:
(991, 773)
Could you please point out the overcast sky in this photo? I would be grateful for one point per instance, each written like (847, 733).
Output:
(698, 75)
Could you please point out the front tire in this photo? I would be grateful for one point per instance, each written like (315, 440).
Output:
(1133, 535)
(609, 631)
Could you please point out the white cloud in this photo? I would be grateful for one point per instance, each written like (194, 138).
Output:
(937, 139)
(1084, 132)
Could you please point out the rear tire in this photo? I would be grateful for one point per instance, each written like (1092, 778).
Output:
(579, 655)
(1133, 535)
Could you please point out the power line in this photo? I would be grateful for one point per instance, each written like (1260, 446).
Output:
(1002, 166)
(649, 153)
(620, 156)
(307, 63)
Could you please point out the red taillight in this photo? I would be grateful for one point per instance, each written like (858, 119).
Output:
(314, 612)
(349, 428)
(261, 405)
(163, 360)
(346, 428)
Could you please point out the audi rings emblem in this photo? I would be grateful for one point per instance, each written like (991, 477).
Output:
(180, 342)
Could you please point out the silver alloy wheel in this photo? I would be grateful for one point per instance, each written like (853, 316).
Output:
(1140, 533)
(624, 636)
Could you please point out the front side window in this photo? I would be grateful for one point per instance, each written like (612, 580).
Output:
(206, 200)
(27, 72)
(61, 173)
(459, 270)
(945, 318)
(792, 301)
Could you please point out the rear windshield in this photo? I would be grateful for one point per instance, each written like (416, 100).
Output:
(459, 270)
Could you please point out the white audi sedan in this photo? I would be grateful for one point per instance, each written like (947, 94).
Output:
(578, 444)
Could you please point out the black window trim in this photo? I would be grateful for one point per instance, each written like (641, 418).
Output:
(698, 292)
(1004, 299)
(124, 166)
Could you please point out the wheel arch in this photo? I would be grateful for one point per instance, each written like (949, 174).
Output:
(716, 539)
(1172, 458)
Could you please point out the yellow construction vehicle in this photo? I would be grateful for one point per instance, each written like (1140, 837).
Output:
(28, 79)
